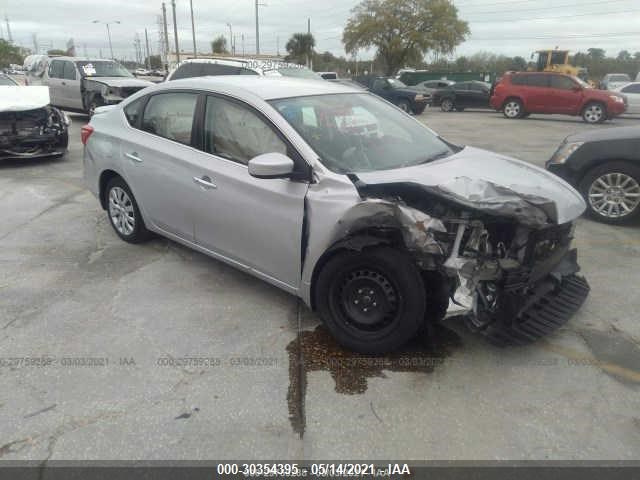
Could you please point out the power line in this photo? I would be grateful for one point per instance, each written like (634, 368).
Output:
(572, 5)
(578, 35)
(500, 20)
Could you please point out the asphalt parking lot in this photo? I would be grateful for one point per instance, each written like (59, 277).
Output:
(157, 352)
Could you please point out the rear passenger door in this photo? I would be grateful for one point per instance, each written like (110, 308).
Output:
(479, 95)
(463, 97)
(254, 223)
(157, 155)
(538, 96)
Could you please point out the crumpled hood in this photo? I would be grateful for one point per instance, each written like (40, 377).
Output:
(121, 81)
(20, 99)
(492, 183)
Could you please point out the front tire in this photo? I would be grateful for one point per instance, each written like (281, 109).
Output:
(123, 212)
(372, 301)
(404, 106)
(594, 112)
(612, 193)
(447, 105)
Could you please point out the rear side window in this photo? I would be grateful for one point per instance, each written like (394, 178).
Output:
(170, 115)
(56, 69)
(187, 70)
(133, 111)
(461, 86)
(217, 69)
(635, 88)
(538, 80)
(519, 79)
(562, 83)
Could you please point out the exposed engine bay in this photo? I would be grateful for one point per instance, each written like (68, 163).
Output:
(513, 280)
(31, 133)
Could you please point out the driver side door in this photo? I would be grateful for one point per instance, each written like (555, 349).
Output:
(253, 223)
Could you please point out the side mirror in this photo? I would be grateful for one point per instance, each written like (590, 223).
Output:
(271, 165)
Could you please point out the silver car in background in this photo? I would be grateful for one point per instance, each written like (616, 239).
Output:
(340, 198)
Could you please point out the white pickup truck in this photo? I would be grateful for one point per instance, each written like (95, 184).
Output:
(82, 84)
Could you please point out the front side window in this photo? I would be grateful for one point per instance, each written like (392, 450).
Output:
(461, 86)
(562, 83)
(69, 71)
(235, 132)
(56, 69)
(170, 115)
(358, 132)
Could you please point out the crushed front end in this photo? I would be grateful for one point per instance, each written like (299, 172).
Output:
(33, 133)
(508, 269)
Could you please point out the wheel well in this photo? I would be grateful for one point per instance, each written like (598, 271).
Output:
(598, 164)
(591, 102)
(105, 178)
(358, 241)
(508, 99)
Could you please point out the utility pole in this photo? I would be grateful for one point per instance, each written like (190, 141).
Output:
(230, 38)
(8, 29)
(147, 60)
(34, 37)
(166, 37)
(242, 40)
(277, 45)
(193, 31)
(175, 30)
(309, 50)
(257, 31)
(84, 50)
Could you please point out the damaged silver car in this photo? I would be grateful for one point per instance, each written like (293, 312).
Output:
(29, 126)
(340, 198)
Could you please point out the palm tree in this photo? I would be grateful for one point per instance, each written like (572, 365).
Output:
(300, 47)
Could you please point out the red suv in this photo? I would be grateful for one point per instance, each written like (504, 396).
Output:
(519, 94)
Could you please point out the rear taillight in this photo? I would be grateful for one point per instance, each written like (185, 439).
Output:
(85, 133)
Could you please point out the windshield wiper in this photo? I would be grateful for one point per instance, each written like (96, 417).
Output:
(436, 156)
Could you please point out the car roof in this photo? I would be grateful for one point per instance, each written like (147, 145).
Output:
(266, 88)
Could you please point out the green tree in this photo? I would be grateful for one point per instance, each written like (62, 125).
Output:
(219, 45)
(10, 54)
(624, 56)
(403, 31)
(300, 47)
(596, 54)
(56, 51)
(518, 63)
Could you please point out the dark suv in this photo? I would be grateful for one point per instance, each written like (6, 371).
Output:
(519, 94)
(409, 99)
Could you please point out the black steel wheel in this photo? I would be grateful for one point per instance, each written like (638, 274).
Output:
(372, 301)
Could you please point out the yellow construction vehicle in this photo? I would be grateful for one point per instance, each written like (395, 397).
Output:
(557, 61)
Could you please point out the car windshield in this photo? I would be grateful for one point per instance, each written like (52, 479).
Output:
(357, 132)
(4, 81)
(620, 78)
(102, 68)
(395, 83)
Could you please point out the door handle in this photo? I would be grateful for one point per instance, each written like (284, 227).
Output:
(205, 182)
(64, 83)
(133, 156)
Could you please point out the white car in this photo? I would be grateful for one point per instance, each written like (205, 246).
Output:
(632, 92)
(611, 81)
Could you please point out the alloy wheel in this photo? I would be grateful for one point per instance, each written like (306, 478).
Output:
(447, 105)
(614, 195)
(121, 211)
(593, 113)
(512, 109)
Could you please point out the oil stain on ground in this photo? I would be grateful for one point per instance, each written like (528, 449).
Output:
(316, 350)
(616, 354)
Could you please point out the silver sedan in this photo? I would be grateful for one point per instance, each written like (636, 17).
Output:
(340, 198)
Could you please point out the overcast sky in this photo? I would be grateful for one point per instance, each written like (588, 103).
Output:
(512, 27)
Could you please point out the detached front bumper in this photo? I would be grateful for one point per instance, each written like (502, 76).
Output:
(530, 313)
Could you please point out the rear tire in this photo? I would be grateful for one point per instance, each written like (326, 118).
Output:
(513, 109)
(123, 212)
(372, 301)
(447, 105)
(594, 112)
(612, 193)
(93, 104)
